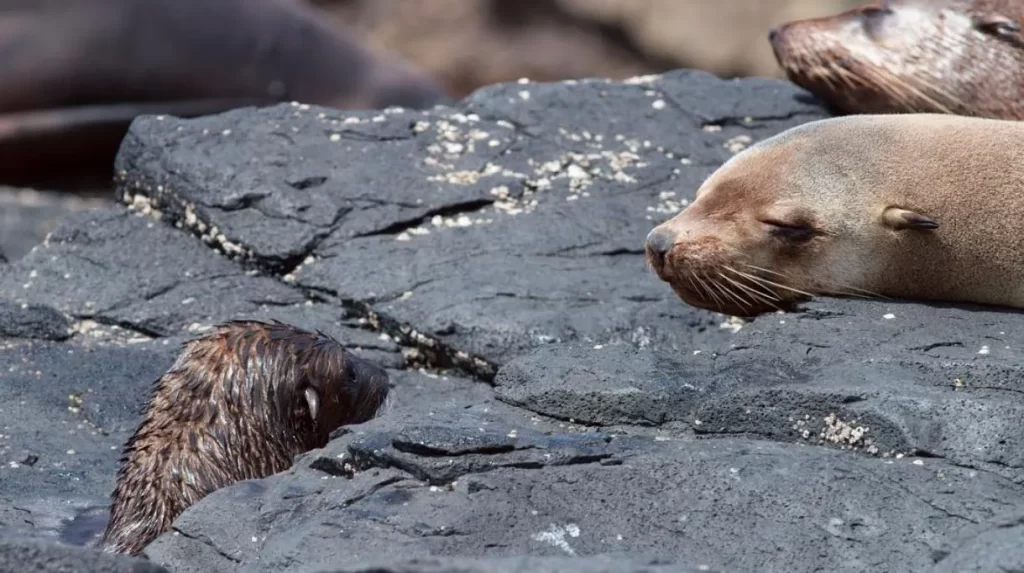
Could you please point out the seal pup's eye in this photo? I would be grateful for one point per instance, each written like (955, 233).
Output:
(795, 232)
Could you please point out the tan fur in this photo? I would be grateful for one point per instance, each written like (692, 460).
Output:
(239, 403)
(939, 56)
(860, 182)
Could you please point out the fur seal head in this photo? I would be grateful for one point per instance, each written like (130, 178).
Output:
(940, 56)
(238, 403)
(920, 206)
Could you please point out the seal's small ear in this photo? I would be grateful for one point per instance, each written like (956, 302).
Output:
(995, 24)
(313, 401)
(902, 219)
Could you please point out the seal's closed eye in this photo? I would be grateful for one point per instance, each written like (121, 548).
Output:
(796, 232)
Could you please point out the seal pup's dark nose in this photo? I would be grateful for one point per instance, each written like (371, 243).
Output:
(773, 33)
(660, 240)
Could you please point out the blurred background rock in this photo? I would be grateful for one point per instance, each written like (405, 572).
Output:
(470, 43)
(466, 44)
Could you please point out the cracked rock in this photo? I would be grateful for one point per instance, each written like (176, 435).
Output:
(673, 499)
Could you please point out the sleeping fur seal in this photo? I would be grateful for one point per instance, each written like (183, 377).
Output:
(916, 206)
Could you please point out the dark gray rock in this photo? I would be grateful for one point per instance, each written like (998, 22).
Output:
(67, 408)
(41, 558)
(27, 215)
(555, 407)
(115, 268)
(882, 378)
(480, 482)
(994, 545)
(32, 321)
(591, 564)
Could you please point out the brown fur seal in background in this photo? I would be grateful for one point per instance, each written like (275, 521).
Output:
(915, 206)
(940, 56)
(73, 73)
(239, 403)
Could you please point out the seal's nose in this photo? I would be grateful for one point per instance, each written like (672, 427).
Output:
(773, 33)
(660, 240)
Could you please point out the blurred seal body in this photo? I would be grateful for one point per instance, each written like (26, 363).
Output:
(917, 206)
(238, 403)
(75, 72)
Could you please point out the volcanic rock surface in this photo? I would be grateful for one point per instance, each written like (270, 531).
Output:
(556, 407)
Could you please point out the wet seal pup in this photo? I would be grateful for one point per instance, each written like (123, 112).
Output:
(238, 403)
(76, 72)
(913, 206)
(964, 57)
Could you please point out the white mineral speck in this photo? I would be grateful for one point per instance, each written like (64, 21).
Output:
(889, 316)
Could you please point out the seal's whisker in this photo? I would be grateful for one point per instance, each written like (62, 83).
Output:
(763, 270)
(908, 88)
(767, 294)
(767, 282)
(736, 295)
(753, 293)
(918, 86)
(842, 75)
(710, 291)
(848, 290)
(696, 286)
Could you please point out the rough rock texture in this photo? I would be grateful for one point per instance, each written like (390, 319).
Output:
(27, 215)
(556, 407)
(42, 558)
